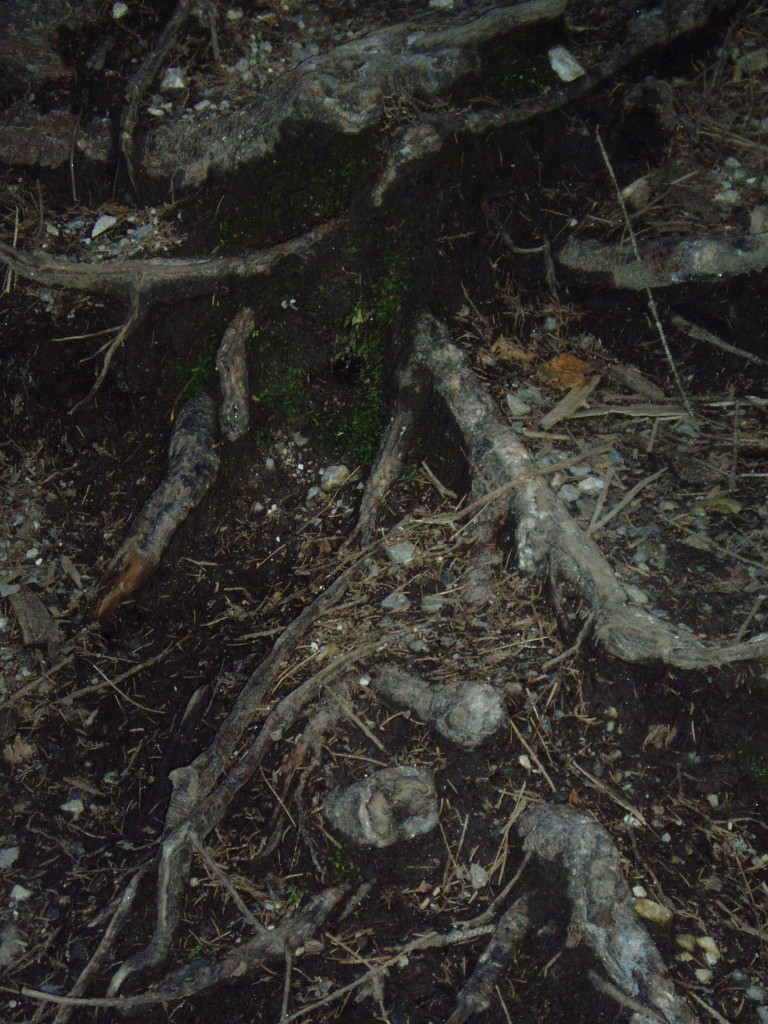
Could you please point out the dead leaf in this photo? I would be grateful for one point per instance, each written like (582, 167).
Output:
(660, 736)
(19, 751)
(565, 372)
(719, 503)
(506, 350)
(70, 569)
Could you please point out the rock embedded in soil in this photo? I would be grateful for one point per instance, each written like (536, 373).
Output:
(396, 602)
(654, 912)
(392, 804)
(333, 477)
(402, 553)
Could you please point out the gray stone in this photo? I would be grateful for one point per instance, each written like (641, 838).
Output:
(8, 856)
(401, 553)
(396, 602)
(516, 406)
(568, 493)
(591, 485)
(333, 477)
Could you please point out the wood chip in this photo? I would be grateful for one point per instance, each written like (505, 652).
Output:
(37, 626)
(567, 406)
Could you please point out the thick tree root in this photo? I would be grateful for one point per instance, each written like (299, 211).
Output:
(161, 280)
(150, 67)
(232, 368)
(665, 262)
(549, 541)
(192, 468)
(603, 915)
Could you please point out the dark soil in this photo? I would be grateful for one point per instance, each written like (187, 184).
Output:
(675, 766)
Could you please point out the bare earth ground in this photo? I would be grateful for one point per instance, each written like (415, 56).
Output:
(675, 766)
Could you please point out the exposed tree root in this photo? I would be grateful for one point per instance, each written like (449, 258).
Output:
(192, 468)
(232, 368)
(344, 90)
(138, 312)
(161, 280)
(549, 542)
(666, 262)
(603, 916)
(238, 965)
(193, 814)
(506, 485)
(142, 79)
(477, 994)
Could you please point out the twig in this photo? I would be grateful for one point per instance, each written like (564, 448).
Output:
(603, 495)
(610, 990)
(442, 490)
(533, 756)
(286, 986)
(626, 500)
(574, 649)
(135, 318)
(616, 797)
(705, 1006)
(648, 293)
(748, 621)
(95, 687)
(120, 916)
(432, 940)
(702, 334)
(8, 285)
(735, 444)
(220, 875)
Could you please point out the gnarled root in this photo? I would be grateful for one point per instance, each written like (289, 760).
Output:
(549, 541)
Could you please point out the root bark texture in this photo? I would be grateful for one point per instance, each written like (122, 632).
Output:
(603, 916)
(549, 542)
(192, 468)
